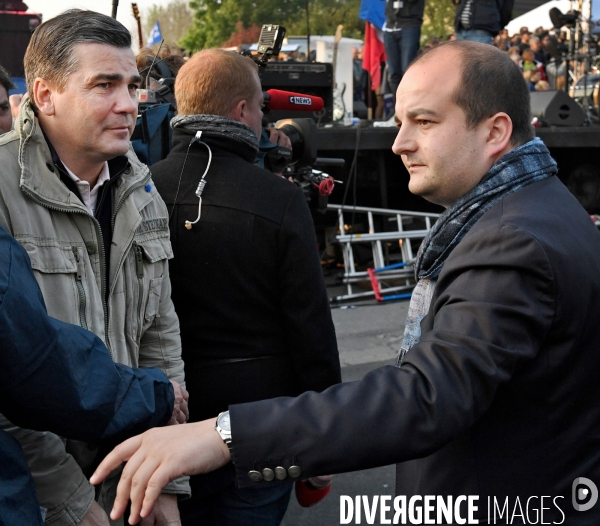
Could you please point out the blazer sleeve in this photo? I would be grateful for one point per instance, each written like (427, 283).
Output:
(492, 308)
(304, 303)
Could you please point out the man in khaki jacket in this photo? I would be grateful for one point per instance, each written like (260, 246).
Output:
(87, 212)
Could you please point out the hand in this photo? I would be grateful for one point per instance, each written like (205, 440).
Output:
(165, 512)
(15, 102)
(278, 137)
(180, 409)
(320, 482)
(158, 456)
(95, 516)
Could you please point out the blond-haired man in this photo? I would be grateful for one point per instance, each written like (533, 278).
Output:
(247, 280)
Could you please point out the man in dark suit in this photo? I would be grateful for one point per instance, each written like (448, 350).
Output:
(247, 280)
(492, 407)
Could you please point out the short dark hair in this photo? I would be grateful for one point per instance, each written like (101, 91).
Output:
(50, 53)
(490, 83)
(5, 80)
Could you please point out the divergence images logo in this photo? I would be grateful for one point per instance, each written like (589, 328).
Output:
(303, 101)
(581, 494)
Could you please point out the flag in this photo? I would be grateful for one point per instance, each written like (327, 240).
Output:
(373, 54)
(373, 11)
(155, 35)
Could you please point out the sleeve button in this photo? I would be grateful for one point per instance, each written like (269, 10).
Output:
(255, 476)
(280, 473)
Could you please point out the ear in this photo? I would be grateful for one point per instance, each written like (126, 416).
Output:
(499, 129)
(42, 96)
(238, 111)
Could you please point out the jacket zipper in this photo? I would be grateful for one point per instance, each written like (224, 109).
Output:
(139, 267)
(80, 289)
(120, 203)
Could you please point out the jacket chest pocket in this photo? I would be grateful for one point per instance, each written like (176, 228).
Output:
(61, 274)
(151, 258)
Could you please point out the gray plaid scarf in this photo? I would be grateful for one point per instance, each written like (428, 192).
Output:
(217, 126)
(520, 167)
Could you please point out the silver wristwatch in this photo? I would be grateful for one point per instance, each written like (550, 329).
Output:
(223, 427)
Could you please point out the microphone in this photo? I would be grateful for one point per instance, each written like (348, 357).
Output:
(276, 99)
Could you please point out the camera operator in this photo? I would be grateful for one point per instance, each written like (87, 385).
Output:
(247, 281)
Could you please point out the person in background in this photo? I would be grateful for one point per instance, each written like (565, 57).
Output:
(535, 45)
(481, 20)
(401, 36)
(5, 109)
(247, 279)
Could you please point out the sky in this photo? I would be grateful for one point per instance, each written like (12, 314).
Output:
(51, 8)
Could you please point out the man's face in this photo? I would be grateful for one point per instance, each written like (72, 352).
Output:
(444, 159)
(534, 45)
(94, 116)
(5, 114)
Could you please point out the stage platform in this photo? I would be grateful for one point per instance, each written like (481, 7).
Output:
(382, 181)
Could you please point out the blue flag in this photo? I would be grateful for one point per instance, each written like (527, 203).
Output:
(373, 11)
(155, 35)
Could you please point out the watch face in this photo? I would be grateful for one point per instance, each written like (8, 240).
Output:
(223, 421)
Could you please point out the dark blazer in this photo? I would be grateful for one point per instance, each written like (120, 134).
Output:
(501, 395)
(247, 280)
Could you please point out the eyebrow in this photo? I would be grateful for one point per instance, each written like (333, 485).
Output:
(419, 112)
(113, 77)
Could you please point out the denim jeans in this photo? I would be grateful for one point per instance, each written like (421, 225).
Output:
(264, 506)
(401, 48)
(475, 35)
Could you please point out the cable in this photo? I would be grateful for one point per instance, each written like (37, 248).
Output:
(201, 184)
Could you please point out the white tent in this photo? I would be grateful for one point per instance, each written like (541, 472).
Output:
(538, 17)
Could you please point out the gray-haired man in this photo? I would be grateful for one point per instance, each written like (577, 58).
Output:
(88, 214)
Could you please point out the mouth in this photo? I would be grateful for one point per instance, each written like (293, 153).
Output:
(121, 130)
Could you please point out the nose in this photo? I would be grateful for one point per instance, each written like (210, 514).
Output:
(404, 143)
(126, 101)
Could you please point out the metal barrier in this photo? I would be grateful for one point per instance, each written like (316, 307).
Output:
(386, 265)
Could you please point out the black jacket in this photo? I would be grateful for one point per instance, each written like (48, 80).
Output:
(247, 281)
(409, 15)
(489, 15)
(500, 396)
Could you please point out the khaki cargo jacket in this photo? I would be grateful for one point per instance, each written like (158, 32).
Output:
(137, 322)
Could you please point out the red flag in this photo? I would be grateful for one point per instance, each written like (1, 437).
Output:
(373, 54)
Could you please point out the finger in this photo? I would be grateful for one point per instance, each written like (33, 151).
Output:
(124, 487)
(180, 417)
(185, 410)
(139, 487)
(185, 393)
(122, 453)
(157, 482)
